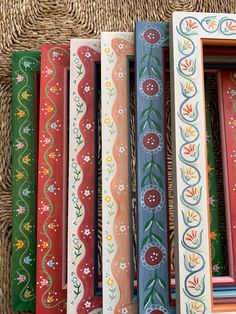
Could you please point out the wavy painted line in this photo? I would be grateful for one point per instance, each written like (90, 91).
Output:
(87, 182)
(122, 254)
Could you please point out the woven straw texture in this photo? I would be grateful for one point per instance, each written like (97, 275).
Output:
(27, 24)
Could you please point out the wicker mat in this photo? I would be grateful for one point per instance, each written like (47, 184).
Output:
(27, 24)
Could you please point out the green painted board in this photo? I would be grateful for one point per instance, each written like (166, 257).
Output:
(25, 66)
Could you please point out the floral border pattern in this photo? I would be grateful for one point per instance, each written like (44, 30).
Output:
(24, 133)
(117, 292)
(81, 216)
(194, 284)
(50, 294)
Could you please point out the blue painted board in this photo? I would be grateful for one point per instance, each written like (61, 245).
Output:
(153, 268)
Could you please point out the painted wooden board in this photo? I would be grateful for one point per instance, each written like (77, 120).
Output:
(153, 264)
(194, 288)
(116, 223)
(217, 258)
(82, 194)
(25, 65)
(227, 107)
(52, 185)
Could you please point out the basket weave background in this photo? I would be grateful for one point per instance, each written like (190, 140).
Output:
(27, 24)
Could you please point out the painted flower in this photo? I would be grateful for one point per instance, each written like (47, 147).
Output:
(152, 198)
(87, 89)
(48, 71)
(87, 232)
(230, 26)
(109, 159)
(191, 217)
(195, 284)
(211, 23)
(189, 131)
(109, 237)
(187, 65)
(152, 36)
(21, 278)
(156, 309)
(76, 241)
(21, 113)
(130, 37)
(86, 271)
(20, 210)
(122, 228)
(188, 111)
(195, 307)
(187, 45)
(25, 95)
(107, 50)
(107, 198)
(121, 187)
(124, 310)
(108, 84)
(27, 64)
(123, 266)
(192, 193)
(120, 46)
(193, 260)
(121, 149)
(150, 87)
(152, 141)
(88, 126)
(153, 256)
(19, 244)
(213, 235)
(192, 237)
(188, 88)
(19, 78)
(87, 158)
(189, 174)
(87, 55)
(120, 75)
(19, 145)
(212, 200)
(216, 268)
(190, 25)
(110, 281)
(53, 89)
(87, 192)
(190, 150)
(75, 280)
(120, 111)
(107, 121)
(27, 294)
(87, 304)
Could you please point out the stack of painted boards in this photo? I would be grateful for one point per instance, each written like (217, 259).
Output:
(56, 122)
